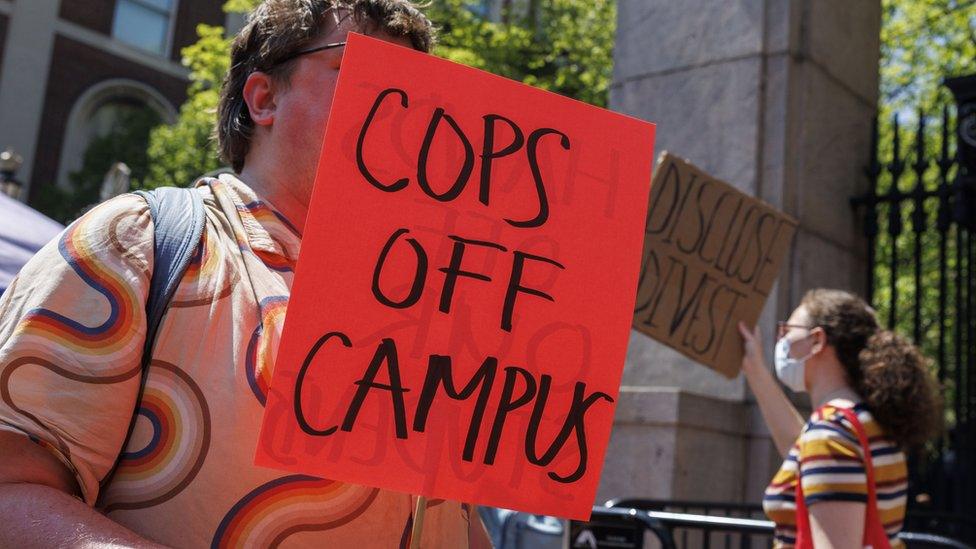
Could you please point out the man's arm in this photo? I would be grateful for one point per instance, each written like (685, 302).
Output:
(39, 507)
(72, 328)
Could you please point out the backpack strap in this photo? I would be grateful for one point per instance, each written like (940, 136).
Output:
(178, 217)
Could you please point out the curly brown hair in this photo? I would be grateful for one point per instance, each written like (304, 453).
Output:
(885, 369)
(277, 29)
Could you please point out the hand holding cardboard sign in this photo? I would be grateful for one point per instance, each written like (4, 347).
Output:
(752, 354)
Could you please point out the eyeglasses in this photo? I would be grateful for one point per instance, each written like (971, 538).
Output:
(782, 327)
(300, 53)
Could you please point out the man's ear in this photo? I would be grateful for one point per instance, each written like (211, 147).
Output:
(259, 95)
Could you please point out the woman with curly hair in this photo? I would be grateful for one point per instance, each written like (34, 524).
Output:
(870, 388)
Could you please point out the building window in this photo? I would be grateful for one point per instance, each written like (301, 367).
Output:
(144, 24)
(110, 122)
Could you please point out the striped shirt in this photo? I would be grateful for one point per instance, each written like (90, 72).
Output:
(831, 463)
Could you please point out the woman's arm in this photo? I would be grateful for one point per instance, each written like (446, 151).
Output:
(837, 524)
(784, 422)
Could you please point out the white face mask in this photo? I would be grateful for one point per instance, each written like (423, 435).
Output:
(789, 370)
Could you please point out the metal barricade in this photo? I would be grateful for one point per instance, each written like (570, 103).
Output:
(687, 534)
(626, 528)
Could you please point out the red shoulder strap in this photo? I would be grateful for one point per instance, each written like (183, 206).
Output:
(874, 532)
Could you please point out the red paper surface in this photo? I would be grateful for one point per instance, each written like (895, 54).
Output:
(584, 253)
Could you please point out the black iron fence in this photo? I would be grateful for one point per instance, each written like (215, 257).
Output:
(919, 216)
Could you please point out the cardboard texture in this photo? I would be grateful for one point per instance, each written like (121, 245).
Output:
(461, 308)
(711, 255)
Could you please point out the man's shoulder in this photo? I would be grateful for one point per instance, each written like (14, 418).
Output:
(123, 205)
(128, 215)
(121, 226)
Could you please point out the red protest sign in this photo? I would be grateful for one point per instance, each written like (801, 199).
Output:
(462, 304)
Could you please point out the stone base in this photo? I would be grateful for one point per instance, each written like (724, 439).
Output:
(671, 444)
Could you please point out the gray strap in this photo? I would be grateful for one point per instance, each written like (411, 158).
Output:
(178, 216)
(178, 219)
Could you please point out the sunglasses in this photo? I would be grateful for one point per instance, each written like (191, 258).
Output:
(300, 53)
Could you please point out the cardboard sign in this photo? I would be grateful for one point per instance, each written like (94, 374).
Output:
(461, 308)
(711, 255)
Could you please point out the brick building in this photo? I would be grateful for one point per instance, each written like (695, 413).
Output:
(70, 68)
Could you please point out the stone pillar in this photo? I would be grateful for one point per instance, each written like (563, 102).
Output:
(776, 97)
(30, 39)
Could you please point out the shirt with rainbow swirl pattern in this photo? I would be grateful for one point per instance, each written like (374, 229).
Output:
(72, 328)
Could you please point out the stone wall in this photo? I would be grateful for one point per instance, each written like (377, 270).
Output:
(664, 444)
(776, 97)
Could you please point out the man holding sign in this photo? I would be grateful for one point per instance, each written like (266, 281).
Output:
(72, 328)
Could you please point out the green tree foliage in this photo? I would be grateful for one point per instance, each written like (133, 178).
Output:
(565, 46)
(560, 45)
(922, 42)
(181, 152)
